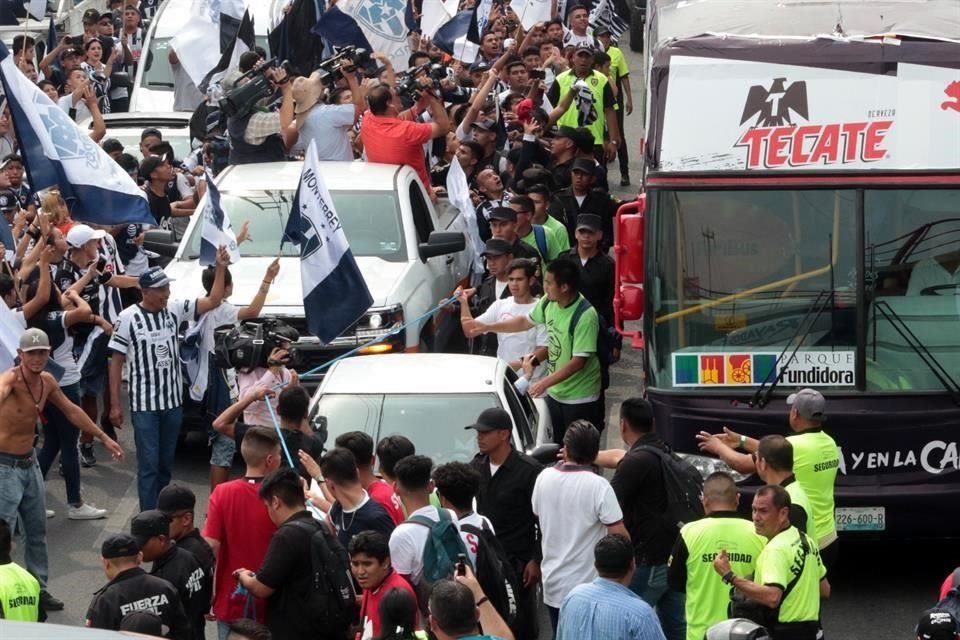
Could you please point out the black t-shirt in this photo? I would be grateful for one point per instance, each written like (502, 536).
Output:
(371, 516)
(297, 440)
(127, 247)
(160, 207)
(134, 590)
(288, 569)
(178, 567)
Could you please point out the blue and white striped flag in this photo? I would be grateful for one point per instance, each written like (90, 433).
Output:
(604, 15)
(215, 228)
(383, 23)
(56, 152)
(335, 294)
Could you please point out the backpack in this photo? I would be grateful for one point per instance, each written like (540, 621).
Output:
(607, 340)
(332, 599)
(683, 485)
(442, 549)
(951, 602)
(540, 237)
(495, 573)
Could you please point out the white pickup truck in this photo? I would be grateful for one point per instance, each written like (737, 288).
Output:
(411, 254)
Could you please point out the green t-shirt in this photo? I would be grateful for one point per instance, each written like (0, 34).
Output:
(708, 597)
(584, 385)
(19, 594)
(800, 498)
(780, 561)
(816, 460)
(558, 228)
(553, 244)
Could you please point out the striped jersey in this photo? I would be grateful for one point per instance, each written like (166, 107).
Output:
(151, 343)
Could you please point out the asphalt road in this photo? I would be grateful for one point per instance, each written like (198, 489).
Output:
(879, 588)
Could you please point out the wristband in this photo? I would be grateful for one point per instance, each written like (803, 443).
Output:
(482, 600)
(729, 577)
(743, 442)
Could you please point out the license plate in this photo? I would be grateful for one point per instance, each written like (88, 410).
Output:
(861, 518)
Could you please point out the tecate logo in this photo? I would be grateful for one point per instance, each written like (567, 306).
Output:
(775, 140)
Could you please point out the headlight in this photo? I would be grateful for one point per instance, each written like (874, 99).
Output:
(376, 320)
(706, 465)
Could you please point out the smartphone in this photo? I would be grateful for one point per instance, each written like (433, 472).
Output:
(461, 564)
(538, 74)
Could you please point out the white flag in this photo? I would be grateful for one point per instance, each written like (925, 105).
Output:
(458, 192)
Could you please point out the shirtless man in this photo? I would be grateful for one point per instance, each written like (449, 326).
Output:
(24, 392)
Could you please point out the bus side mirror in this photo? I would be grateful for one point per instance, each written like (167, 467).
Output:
(628, 296)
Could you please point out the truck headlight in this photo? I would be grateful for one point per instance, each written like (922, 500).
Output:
(707, 465)
(376, 322)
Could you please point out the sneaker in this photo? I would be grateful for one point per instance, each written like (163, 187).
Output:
(624, 181)
(86, 456)
(85, 511)
(49, 603)
(50, 513)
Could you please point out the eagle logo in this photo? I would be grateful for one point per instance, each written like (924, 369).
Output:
(772, 107)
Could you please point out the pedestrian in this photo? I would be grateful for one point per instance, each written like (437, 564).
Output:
(584, 196)
(504, 493)
(391, 450)
(691, 562)
(151, 530)
(606, 609)
(26, 391)
(456, 486)
(399, 616)
(576, 508)
(353, 509)
(503, 226)
(238, 527)
(548, 243)
(178, 503)
(247, 629)
(497, 257)
(361, 445)
(620, 75)
(640, 489)
(147, 336)
(937, 624)
(370, 565)
(596, 267)
(130, 589)
(790, 579)
(459, 609)
(816, 460)
(19, 591)
(774, 462)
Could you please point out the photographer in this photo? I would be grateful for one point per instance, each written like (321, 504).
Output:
(326, 123)
(255, 134)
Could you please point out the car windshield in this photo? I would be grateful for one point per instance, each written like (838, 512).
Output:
(433, 422)
(371, 220)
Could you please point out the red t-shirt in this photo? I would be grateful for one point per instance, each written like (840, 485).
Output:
(370, 603)
(382, 493)
(238, 519)
(394, 141)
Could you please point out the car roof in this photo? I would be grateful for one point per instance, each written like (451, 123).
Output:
(142, 120)
(414, 373)
(286, 175)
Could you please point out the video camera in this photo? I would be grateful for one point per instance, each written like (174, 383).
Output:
(331, 69)
(408, 84)
(249, 345)
(243, 98)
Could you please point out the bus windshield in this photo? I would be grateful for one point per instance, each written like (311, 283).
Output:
(751, 284)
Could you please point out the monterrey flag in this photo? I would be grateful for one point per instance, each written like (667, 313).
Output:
(56, 152)
(335, 294)
(215, 228)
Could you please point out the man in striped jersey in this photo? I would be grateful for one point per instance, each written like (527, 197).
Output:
(147, 335)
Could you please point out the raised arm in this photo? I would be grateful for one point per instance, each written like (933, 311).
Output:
(213, 300)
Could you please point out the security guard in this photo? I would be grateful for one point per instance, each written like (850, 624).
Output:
(691, 563)
(151, 530)
(131, 589)
(19, 591)
(790, 578)
(177, 502)
(774, 460)
(816, 460)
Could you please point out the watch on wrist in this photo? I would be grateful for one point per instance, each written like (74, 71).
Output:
(729, 577)
(743, 442)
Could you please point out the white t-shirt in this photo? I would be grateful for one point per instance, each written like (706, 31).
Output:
(66, 103)
(510, 346)
(407, 542)
(575, 506)
(470, 539)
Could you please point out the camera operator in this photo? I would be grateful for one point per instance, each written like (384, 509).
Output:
(321, 120)
(391, 136)
(255, 136)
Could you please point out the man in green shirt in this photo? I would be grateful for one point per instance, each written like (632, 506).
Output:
(540, 195)
(790, 578)
(19, 591)
(544, 240)
(573, 383)
(774, 460)
(620, 73)
(691, 563)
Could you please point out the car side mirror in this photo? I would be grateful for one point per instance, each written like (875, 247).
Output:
(441, 243)
(160, 241)
(546, 454)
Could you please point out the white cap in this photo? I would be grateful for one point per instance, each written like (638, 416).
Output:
(81, 234)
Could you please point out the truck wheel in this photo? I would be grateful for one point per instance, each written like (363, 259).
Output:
(636, 30)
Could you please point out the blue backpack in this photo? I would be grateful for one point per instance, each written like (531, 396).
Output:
(540, 237)
(442, 549)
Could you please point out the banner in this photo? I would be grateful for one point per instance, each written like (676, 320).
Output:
(751, 369)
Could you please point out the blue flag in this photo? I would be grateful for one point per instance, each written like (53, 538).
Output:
(447, 36)
(375, 25)
(335, 294)
(215, 228)
(337, 29)
(51, 36)
(56, 152)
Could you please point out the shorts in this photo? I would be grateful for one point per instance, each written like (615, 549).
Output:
(93, 385)
(94, 373)
(222, 450)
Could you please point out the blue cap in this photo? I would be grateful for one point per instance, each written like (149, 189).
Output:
(154, 278)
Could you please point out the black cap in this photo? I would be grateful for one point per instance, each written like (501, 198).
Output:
(111, 145)
(119, 546)
(90, 16)
(176, 497)
(71, 51)
(937, 624)
(149, 165)
(601, 30)
(585, 165)
(485, 124)
(106, 16)
(497, 247)
(8, 200)
(589, 221)
(493, 419)
(148, 524)
(503, 214)
(583, 46)
(567, 132)
(150, 131)
(479, 65)
(143, 622)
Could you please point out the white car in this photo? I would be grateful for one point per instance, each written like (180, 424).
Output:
(429, 398)
(127, 127)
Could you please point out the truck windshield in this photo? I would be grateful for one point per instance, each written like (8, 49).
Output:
(371, 220)
(738, 279)
(157, 74)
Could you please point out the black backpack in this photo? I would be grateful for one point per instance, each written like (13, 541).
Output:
(607, 340)
(495, 573)
(951, 602)
(683, 485)
(332, 600)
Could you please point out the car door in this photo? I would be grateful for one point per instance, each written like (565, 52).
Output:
(518, 411)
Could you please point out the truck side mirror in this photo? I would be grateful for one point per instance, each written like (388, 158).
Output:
(546, 454)
(160, 241)
(441, 243)
(628, 298)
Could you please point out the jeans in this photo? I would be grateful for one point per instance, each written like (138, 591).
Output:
(222, 630)
(59, 435)
(155, 434)
(650, 583)
(22, 493)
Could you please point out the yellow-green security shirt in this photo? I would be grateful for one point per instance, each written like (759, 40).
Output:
(780, 561)
(596, 119)
(816, 460)
(691, 566)
(19, 594)
(584, 385)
